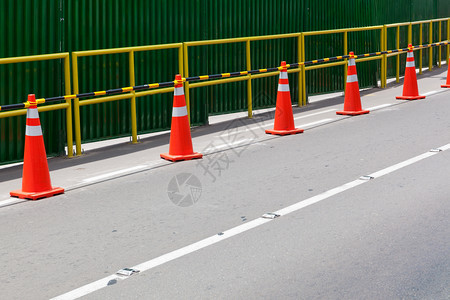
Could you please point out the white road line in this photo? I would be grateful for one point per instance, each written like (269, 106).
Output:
(115, 173)
(318, 198)
(228, 145)
(315, 123)
(271, 123)
(380, 106)
(431, 93)
(150, 264)
(10, 201)
(444, 148)
(402, 164)
(315, 114)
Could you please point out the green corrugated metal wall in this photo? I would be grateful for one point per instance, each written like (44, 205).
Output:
(45, 26)
(24, 31)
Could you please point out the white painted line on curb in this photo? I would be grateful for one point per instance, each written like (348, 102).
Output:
(380, 106)
(435, 92)
(10, 201)
(431, 93)
(229, 145)
(271, 123)
(115, 173)
(314, 114)
(315, 123)
(152, 263)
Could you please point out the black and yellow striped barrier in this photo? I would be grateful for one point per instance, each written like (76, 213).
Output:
(9, 107)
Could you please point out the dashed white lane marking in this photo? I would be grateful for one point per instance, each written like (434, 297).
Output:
(152, 263)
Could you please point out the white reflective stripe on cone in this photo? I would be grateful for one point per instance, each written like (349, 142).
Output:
(179, 91)
(33, 130)
(179, 111)
(283, 87)
(32, 113)
(352, 62)
(283, 75)
(410, 54)
(410, 64)
(352, 78)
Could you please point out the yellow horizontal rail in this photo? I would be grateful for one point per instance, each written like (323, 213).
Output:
(398, 24)
(20, 112)
(105, 99)
(43, 57)
(328, 65)
(127, 49)
(368, 59)
(322, 32)
(154, 92)
(241, 40)
(218, 81)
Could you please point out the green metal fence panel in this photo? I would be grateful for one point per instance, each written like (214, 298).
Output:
(30, 28)
(49, 26)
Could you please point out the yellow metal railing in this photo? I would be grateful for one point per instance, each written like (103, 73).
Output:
(345, 51)
(183, 66)
(410, 25)
(66, 106)
(132, 95)
(248, 78)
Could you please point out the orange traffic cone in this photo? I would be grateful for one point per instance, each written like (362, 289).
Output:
(410, 89)
(447, 85)
(284, 118)
(36, 176)
(180, 134)
(352, 101)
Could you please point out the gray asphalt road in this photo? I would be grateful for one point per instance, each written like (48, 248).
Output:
(387, 238)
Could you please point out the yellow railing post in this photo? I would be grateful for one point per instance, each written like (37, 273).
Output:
(440, 47)
(299, 59)
(448, 39)
(249, 80)
(430, 49)
(76, 105)
(303, 71)
(420, 43)
(383, 43)
(186, 84)
(133, 99)
(346, 60)
(410, 41)
(397, 45)
(69, 108)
